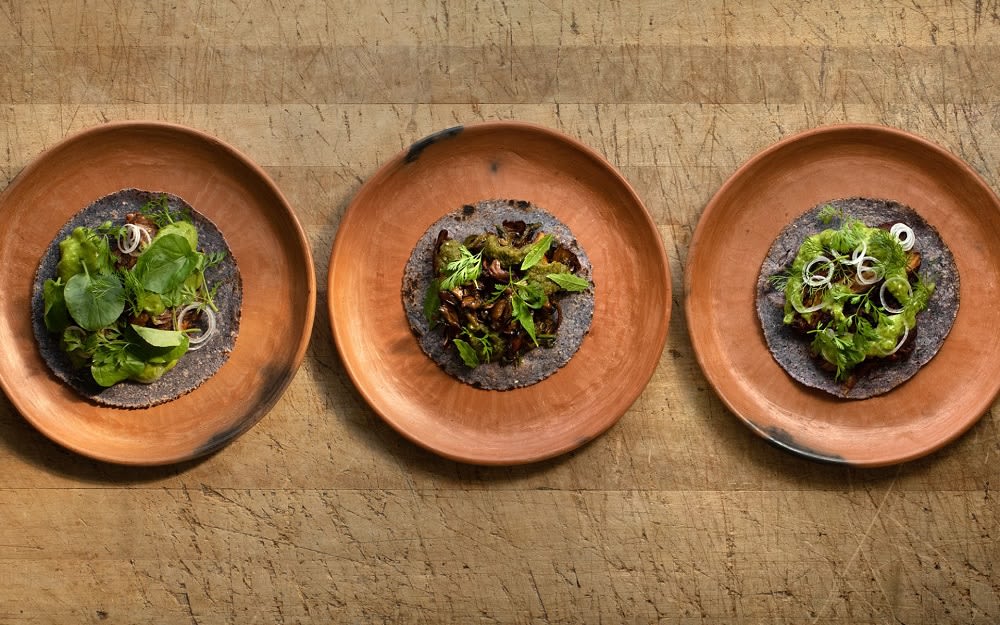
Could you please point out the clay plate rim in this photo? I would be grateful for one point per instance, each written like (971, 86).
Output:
(258, 223)
(504, 160)
(947, 396)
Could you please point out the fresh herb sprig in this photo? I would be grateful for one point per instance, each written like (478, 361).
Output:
(463, 270)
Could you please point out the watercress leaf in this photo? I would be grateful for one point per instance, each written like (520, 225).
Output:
(159, 338)
(536, 252)
(94, 302)
(568, 281)
(166, 263)
(468, 354)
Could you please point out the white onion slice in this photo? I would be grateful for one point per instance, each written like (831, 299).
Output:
(802, 310)
(817, 279)
(859, 254)
(133, 238)
(881, 294)
(904, 234)
(867, 274)
(196, 342)
(902, 339)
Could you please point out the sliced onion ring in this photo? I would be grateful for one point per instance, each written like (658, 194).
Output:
(867, 274)
(904, 234)
(881, 294)
(902, 339)
(196, 342)
(817, 279)
(803, 309)
(858, 255)
(132, 239)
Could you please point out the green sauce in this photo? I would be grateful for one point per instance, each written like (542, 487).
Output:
(848, 320)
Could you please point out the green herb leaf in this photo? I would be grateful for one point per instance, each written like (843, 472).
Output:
(523, 313)
(468, 354)
(464, 270)
(432, 301)
(56, 315)
(94, 302)
(532, 294)
(536, 252)
(166, 263)
(159, 338)
(828, 213)
(568, 281)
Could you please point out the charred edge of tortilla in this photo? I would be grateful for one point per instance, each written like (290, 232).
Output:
(577, 308)
(195, 367)
(933, 323)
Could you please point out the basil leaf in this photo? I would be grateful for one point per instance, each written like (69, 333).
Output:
(94, 302)
(568, 281)
(536, 252)
(468, 354)
(159, 338)
(166, 263)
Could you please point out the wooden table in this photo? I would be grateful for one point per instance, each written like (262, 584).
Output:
(321, 513)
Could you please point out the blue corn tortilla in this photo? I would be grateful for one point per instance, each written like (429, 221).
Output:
(577, 309)
(792, 351)
(194, 367)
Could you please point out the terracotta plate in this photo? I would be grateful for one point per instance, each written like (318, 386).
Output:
(459, 166)
(265, 237)
(733, 235)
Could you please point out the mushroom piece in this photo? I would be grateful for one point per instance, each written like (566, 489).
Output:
(565, 256)
(496, 271)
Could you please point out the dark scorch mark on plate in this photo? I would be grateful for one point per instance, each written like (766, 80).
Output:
(419, 146)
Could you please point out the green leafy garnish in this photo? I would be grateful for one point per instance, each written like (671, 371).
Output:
(467, 353)
(568, 281)
(166, 263)
(502, 308)
(159, 338)
(94, 302)
(104, 307)
(850, 290)
(828, 213)
(536, 252)
(464, 270)
(432, 301)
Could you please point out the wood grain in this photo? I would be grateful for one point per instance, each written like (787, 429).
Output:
(321, 513)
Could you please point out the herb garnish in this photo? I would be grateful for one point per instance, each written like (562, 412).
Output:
(495, 293)
(854, 291)
(117, 311)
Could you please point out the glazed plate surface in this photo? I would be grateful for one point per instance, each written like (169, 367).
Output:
(265, 238)
(734, 233)
(499, 160)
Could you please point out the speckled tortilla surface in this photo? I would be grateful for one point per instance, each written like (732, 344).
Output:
(934, 323)
(577, 308)
(194, 367)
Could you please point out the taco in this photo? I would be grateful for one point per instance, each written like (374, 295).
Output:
(856, 295)
(137, 300)
(499, 294)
